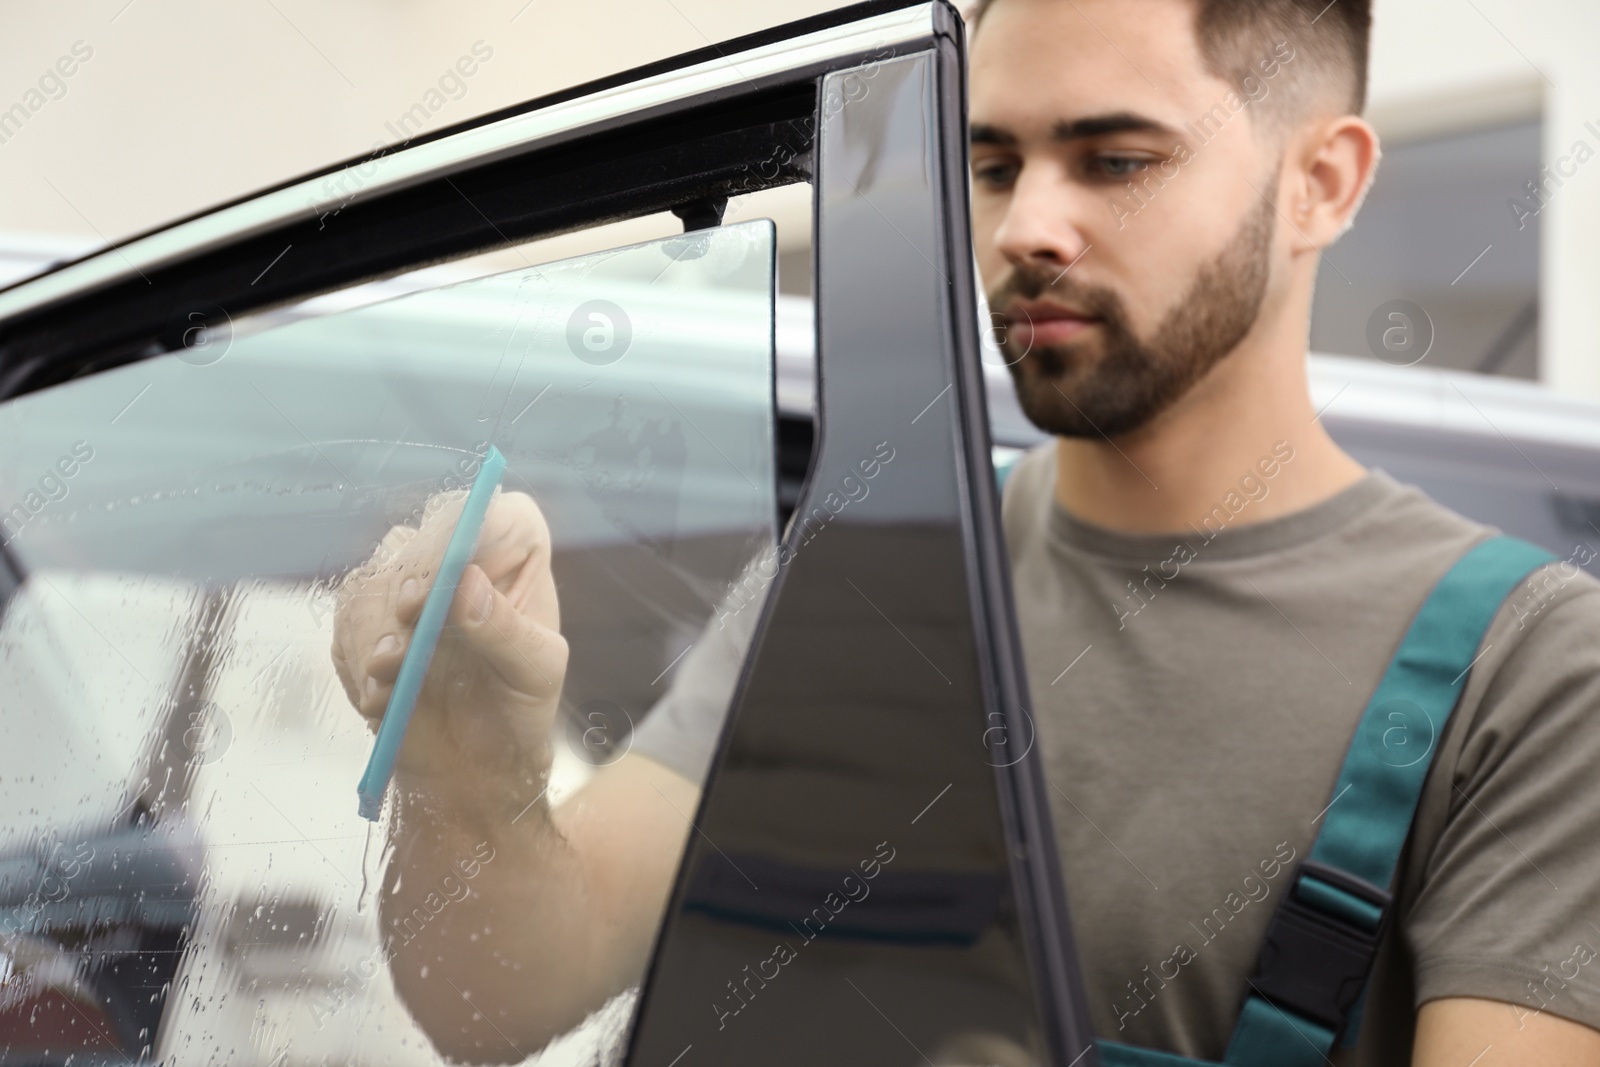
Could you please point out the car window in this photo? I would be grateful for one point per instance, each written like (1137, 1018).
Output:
(184, 873)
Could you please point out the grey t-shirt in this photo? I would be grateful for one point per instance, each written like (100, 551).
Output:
(1194, 697)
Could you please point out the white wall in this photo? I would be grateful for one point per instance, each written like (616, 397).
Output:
(186, 103)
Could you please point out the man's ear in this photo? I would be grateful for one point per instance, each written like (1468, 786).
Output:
(1329, 171)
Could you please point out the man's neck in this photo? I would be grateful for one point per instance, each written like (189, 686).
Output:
(1246, 438)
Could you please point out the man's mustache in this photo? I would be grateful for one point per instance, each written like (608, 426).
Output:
(1029, 284)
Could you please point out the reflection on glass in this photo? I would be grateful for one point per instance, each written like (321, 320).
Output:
(183, 873)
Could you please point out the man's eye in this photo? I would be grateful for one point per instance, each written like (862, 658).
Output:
(1119, 167)
(996, 175)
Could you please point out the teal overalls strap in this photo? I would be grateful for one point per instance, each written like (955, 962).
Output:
(1324, 934)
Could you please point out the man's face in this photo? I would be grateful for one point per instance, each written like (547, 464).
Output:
(1111, 303)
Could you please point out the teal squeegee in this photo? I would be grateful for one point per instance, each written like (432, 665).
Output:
(414, 667)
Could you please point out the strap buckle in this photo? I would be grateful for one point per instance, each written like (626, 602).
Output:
(1321, 943)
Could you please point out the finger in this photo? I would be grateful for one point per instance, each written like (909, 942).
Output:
(363, 605)
(514, 551)
(374, 700)
(368, 642)
(528, 657)
(413, 592)
(418, 560)
(513, 528)
(387, 655)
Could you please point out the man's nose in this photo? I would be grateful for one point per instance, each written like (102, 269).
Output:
(1040, 228)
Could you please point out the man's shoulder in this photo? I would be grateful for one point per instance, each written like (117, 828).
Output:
(1539, 649)
(1554, 611)
(1027, 485)
(1029, 472)
(1404, 517)
(1409, 523)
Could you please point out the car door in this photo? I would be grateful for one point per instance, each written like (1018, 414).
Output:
(212, 426)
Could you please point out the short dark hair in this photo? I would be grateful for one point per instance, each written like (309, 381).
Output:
(1332, 36)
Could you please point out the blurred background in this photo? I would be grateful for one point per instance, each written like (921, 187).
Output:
(176, 105)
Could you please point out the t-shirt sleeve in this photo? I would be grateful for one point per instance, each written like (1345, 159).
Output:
(682, 728)
(1508, 904)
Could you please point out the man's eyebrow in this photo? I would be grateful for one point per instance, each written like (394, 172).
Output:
(1076, 129)
(1100, 125)
(983, 133)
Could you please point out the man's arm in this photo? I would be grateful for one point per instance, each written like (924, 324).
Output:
(505, 921)
(1503, 958)
(560, 919)
(1457, 1031)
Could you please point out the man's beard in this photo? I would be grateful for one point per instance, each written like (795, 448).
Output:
(1075, 391)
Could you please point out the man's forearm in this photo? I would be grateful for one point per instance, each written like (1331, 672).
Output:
(1455, 1031)
(491, 932)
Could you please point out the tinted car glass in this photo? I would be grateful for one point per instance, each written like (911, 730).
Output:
(184, 872)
